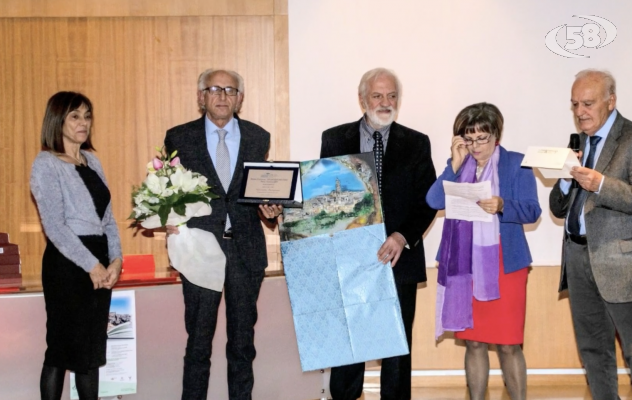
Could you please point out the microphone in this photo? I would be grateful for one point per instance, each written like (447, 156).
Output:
(573, 144)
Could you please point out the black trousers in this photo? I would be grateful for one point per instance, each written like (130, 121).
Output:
(595, 322)
(346, 381)
(241, 290)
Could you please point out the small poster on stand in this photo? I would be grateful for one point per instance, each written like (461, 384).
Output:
(118, 376)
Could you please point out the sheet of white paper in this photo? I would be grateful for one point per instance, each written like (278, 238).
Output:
(461, 198)
(194, 252)
(553, 162)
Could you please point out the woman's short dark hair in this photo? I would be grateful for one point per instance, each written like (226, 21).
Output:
(480, 117)
(59, 106)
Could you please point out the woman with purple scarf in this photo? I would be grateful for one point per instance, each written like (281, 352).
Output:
(481, 291)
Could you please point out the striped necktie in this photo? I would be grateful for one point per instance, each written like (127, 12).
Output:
(580, 198)
(378, 153)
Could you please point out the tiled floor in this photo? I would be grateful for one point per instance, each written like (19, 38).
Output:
(576, 392)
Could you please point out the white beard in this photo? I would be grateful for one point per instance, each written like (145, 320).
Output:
(377, 121)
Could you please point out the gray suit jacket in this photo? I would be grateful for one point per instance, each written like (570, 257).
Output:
(190, 141)
(608, 215)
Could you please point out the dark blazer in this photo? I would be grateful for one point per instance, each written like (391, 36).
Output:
(520, 196)
(190, 141)
(407, 174)
(608, 215)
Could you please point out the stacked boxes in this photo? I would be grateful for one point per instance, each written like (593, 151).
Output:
(10, 270)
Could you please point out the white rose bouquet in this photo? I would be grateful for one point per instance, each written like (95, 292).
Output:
(171, 195)
(168, 188)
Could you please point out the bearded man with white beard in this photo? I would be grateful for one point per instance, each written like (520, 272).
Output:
(405, 174)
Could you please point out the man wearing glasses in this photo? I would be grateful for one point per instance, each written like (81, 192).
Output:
(216, 145)
(405, 173)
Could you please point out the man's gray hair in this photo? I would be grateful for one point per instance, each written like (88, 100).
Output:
(608, 80)
(202, 84)
(370, 76)
(204, 75)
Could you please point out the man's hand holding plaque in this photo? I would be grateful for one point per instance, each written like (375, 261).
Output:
(272, 183)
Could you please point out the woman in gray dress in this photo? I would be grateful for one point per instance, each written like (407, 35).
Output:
(82, 260)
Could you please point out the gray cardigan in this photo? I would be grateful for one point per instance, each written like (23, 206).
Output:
(67, 209)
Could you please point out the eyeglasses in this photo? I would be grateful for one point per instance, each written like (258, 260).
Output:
(470, 142)
(217, 90)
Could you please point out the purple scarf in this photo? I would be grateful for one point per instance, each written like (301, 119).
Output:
(469, 258)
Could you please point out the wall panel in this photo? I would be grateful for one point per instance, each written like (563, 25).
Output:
(140, 73)
(138, 8)
(281, 89)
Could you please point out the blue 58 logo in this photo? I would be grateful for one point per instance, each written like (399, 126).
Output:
(586, 35)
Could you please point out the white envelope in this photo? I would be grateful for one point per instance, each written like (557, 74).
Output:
(553, 162)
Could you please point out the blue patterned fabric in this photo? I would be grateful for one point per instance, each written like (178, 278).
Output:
(344, 301)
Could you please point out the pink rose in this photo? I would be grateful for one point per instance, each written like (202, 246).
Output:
(175, 162)
(157, 163)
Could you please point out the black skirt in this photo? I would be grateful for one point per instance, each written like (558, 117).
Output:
(77, 315)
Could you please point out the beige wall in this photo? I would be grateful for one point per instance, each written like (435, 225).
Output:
(449, 54)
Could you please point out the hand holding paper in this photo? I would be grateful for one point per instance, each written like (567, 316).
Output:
(461, 200)
(493, 205)
(553, 162)
(588, 179)
(193, 252)
(392, 249)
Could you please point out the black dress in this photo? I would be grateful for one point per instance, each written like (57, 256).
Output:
(77, 315)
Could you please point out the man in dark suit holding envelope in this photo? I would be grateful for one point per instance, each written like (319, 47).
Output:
(405, 173)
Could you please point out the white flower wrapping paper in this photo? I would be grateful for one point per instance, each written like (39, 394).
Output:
(195, 253)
